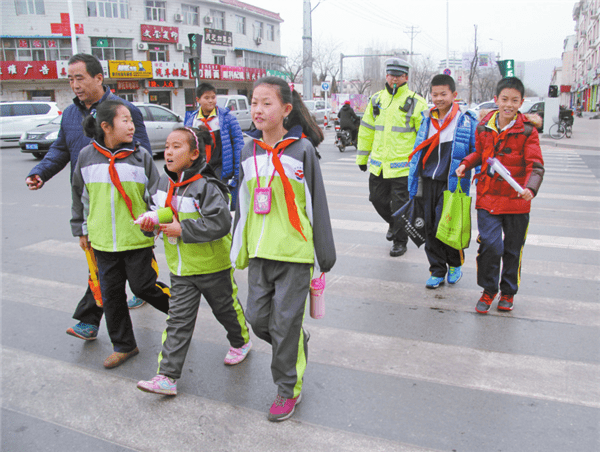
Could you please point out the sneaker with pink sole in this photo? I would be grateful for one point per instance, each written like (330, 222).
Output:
(283, 408)
(161, 384)
(237, 355)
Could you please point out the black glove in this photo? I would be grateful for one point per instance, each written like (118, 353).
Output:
(363, 168)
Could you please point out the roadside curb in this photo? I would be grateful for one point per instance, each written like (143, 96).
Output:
(565, 144)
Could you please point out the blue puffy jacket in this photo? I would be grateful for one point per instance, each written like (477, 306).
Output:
(462, 145)
(232, 142)
(71, 138)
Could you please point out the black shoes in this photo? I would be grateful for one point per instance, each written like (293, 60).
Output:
(389, 236)
(398, 249)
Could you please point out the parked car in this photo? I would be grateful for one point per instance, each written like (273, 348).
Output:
(20, 116)
(565, 114)
(319, 110)
(37, 141)
(489, 105)
(239, 106)
(159, 122)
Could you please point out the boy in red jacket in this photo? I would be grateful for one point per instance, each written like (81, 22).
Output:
(508, 136)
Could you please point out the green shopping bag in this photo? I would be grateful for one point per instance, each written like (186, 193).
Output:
(454, 228)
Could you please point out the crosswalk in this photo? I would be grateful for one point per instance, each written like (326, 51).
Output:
(392, 366)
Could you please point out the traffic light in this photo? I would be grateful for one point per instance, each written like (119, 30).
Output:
(194, 67)
(553, 91)
(195, 44)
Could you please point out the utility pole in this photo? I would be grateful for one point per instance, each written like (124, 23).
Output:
(413, 32)
(473, 70)
(447, 35)
(72, 27)
(307, 53)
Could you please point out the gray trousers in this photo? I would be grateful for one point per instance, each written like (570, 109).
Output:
(220, 291)
(277, 293)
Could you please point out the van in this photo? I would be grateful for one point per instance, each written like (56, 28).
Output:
(239, 107)
(19, 116)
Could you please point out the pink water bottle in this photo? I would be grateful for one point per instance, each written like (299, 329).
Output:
(317, 297)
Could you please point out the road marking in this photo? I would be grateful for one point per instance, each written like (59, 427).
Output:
(204, 424)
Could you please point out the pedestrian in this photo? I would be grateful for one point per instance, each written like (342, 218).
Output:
(86, 79)
(226, 133)
(438, 152)
(111, 184)
(281, 223)
(386, 138)
(509, 136)
(349, 120)
(197, 225)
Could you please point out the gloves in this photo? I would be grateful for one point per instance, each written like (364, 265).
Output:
(363, 168)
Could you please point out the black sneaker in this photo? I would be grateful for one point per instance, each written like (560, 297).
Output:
(485, 302)
(398, 249)
(389, 236)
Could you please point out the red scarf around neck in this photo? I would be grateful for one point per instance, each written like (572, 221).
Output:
(173, 186)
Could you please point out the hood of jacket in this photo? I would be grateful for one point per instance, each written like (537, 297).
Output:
(199, 166)
(533, 118)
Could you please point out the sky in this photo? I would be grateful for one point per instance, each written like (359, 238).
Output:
(523, 30)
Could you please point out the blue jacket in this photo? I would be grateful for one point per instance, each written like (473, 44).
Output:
(232, 142)
(462, 145)
(71, 138)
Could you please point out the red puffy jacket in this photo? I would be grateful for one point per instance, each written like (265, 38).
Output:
(520, 153)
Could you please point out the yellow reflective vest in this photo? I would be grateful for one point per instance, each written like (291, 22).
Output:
(387, 132)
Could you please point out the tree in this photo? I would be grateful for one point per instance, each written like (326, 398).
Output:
(326, 61)
(420, 75)
(293, 65)
(485, 83)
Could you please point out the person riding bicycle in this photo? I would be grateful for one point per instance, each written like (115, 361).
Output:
(349, 120)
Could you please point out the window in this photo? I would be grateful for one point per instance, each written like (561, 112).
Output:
(219, 59)
(240, 25)
(157, 52)
(270, 32)
(162, 115)
(258, 29)
(108, 8)
(156, 10)
(112, 48)
(30, 7)
(242, 104)
(218, 19)
(190, 14)
(36, 49)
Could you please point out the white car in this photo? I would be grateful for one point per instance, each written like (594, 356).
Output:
(239, 107)
(20, 116)
(159, 122)
(319, 110)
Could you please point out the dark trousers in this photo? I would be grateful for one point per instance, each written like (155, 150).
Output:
(439, 255)
(387, 196)
(87, 310)
(493, 249)
(277, 293)
(115, 269)
(220, 291)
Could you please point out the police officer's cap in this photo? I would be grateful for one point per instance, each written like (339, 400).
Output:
(396, 66)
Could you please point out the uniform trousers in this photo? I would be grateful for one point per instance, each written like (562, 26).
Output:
(387, 196)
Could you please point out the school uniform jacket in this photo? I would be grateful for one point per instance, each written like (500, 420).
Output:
(99, 210)
(463, 144)
(520, 153)
(272, 236)
(203, 210)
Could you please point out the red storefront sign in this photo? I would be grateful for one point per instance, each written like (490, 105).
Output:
(157, 33)
(253, 73)
(565, 88)
(125, 85)
(28, 70)
(210, 71)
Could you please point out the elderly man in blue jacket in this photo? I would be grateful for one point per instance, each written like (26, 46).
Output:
(86, 79)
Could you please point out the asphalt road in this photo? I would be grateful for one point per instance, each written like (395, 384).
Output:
(392, 366)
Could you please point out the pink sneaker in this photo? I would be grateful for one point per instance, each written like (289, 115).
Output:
(283, 408)
(160, 384)
(237, 355)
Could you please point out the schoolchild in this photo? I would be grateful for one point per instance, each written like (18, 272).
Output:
(111, 185)
(227, 137)
(191, 203)
(445, 137)
(512, 138)
(281, 223)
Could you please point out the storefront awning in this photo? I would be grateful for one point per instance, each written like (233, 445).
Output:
(262, 53)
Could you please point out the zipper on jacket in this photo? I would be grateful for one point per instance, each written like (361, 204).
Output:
(113, 216)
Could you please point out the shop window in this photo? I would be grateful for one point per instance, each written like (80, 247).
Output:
(35, 49)
(112, 48)
(157, 52)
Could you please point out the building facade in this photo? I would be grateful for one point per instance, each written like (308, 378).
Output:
(586, 55)
(143, 46)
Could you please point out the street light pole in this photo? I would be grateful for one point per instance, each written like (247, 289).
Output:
(501, 47)
(307, 86)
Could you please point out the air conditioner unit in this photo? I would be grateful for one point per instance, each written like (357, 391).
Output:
(259, 40)
(178, 17)
(142, 46)
(180, 47)
(208, 20)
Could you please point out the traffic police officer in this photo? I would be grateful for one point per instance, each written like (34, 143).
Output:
(385, 140)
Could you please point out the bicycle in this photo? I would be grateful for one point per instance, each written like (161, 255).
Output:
(560, 130)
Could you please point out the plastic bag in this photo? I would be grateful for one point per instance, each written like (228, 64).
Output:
(454, 228)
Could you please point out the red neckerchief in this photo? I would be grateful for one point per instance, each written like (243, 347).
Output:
(489, 151)
(288, 191)
(114, 175)
(434, 140)
(206, 122)
(173, 186)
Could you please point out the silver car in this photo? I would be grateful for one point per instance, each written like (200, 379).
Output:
(19, 116)
(159, 122)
